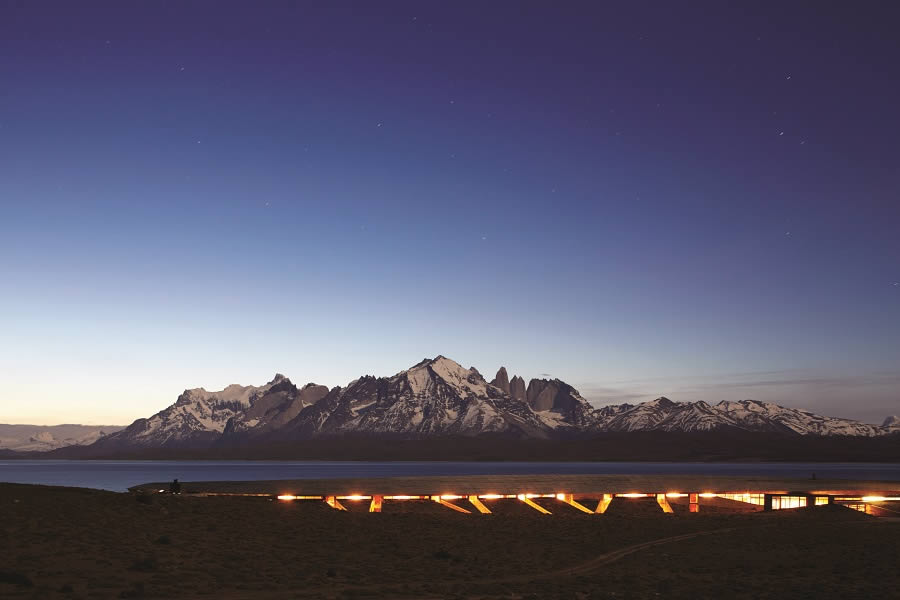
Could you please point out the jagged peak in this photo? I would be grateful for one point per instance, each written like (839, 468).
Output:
(892, 421)
(501, 380)
(426, 362)
(440, 362)
(661, 401)
(278, 379)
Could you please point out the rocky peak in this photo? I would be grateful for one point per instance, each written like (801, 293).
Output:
(517, 388)
(501, 380)
(892, 421)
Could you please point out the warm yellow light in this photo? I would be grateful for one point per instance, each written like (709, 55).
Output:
(403, 497)
(880, 498)
(675, 495)
(450, 497)
(287, 497)
(354, 497)
(560, 496)
(631, 495)
(707, 495)
(492, 496)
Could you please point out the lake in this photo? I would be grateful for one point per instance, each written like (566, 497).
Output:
(119, 475)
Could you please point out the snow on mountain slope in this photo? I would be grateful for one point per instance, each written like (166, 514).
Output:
(39, 438)
(440, 397)
(275, 407)
(435, 396)
(196, 415)
(664, 415)
(756, 415)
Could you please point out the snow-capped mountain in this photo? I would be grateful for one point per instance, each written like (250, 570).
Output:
(664, 415)
(439, 397)
(436, 396)
(202, 416)
(39, 438)
(763, 416)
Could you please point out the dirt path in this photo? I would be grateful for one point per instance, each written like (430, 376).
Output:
(611, 557)
(583, 568)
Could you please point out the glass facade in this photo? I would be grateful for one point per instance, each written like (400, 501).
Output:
(782, 502)
(757, 499)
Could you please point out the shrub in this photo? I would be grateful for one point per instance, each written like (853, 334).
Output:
(15, 578)
(145, 564)
(137, 591)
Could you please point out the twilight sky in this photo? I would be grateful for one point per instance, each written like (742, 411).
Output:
(638, 198)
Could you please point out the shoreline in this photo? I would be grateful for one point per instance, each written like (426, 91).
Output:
(542, 483)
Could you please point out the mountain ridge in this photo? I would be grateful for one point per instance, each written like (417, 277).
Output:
(438, 397)
(42, 438)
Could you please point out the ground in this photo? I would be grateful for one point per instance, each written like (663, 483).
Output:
(76, 543)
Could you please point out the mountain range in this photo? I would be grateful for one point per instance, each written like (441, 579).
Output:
(40, 438)
(440, 398)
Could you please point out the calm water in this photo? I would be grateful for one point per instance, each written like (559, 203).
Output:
(119, 475)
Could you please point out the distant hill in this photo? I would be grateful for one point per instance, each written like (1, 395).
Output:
(39, 438)
(437, 400)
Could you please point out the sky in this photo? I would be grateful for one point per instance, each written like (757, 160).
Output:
(640, 198)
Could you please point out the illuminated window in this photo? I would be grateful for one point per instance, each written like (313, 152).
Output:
(756, 499)
(782, 502)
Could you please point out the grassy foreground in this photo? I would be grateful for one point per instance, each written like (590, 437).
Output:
(77, 543)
